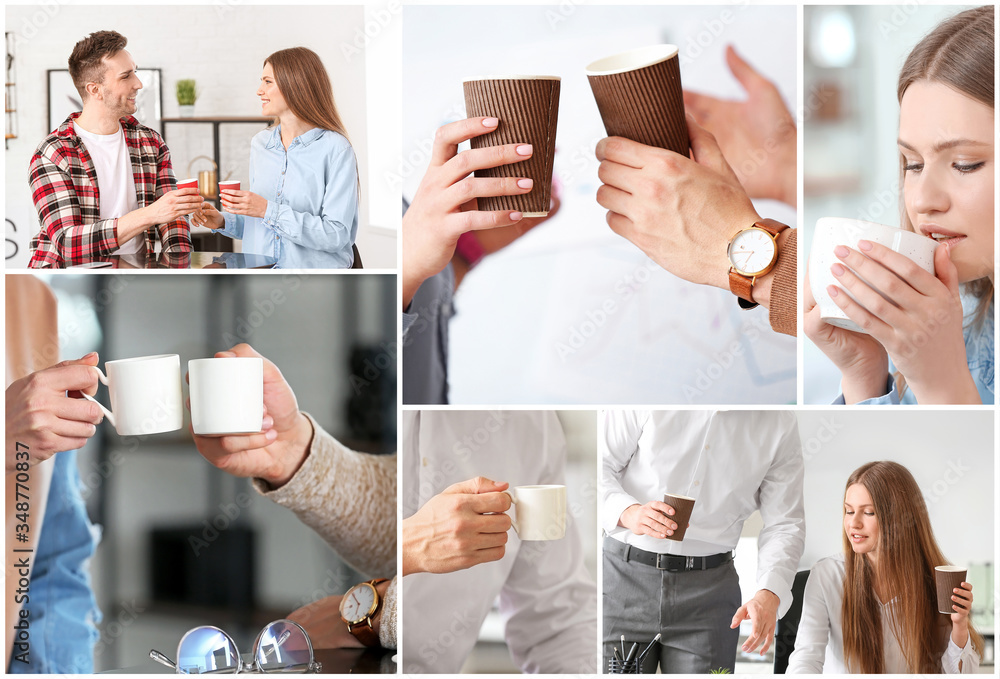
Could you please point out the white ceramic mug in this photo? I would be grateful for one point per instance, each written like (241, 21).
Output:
(227, 395)
(540, 512)
(833, 231)
(145, 394)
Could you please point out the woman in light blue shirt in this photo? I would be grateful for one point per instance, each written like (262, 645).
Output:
(930, 340)
(302, 206)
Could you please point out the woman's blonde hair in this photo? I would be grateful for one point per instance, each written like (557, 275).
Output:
(957, 53)
(305, 85)
(907, 555)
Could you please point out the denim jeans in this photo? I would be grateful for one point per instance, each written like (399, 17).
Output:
(63, 612)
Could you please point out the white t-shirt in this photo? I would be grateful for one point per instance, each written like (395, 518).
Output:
(115, 182)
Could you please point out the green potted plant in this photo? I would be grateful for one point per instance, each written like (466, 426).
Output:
(186, 96)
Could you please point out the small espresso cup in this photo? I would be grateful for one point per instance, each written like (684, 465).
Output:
(946, 579)
(145, 394)
(683, 506)
(540, 512)
(833, 231)
(227, 395)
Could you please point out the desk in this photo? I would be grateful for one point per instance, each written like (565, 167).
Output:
(191, 260)
(334, 661)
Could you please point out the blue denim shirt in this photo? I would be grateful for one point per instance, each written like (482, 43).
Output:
(312, 200)
(979, 350)
(63, 611)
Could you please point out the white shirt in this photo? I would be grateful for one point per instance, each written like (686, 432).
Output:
(819, 643)
(115, 183)
(732, 462)
(547, 598)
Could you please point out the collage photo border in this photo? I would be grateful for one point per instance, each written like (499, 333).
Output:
(383, 39)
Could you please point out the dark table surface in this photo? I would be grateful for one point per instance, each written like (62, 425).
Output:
(191, 260)
(334, 661)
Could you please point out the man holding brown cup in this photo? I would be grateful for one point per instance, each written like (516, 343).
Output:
(664, 575)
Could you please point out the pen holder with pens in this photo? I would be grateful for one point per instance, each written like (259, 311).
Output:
(629, 663)
(617, 666)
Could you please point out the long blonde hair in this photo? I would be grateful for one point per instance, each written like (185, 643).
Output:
(305, 85)
(957, 53)
(908, 554)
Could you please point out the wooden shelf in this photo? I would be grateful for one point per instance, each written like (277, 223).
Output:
(10, 136)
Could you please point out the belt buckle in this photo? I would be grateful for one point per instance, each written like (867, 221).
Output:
(689, 563)
(665, 566)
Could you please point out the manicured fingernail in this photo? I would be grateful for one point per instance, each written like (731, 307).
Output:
(841, 251)
(865, 245)
(832, 290)
(490, 122)
(670, 532)
(92, 353)
(837, 270)
(271, 435)
(516, 216)
(268, 423)
(525, 183)
(523, 150)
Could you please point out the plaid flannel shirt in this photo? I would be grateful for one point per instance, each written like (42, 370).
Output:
(64, 189)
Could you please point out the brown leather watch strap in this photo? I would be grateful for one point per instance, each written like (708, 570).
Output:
(771, 226)
(742, 286)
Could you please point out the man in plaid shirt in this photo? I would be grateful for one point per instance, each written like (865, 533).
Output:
(102, 183)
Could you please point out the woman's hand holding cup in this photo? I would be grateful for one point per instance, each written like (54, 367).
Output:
(279, 449)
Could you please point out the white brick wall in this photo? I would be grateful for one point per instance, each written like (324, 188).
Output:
(223, 47)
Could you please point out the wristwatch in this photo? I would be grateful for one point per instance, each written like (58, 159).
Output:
(753, 252)
(357, 608)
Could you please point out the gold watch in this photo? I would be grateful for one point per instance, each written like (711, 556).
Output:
(358, 607)
(752, 252)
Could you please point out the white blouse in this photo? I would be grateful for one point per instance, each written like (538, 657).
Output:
(819, 644)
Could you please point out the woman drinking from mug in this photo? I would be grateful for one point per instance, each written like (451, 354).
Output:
(873, 609)
(937, 329)
(302, 206)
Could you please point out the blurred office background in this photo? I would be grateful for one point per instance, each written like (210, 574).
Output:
(490, 655)
(851, 63)
(185, 544)
(537, 309)
(222, 48)
(951, 456)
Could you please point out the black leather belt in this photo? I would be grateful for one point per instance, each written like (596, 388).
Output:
(669, 562)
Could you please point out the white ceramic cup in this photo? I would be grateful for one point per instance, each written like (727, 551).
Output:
(145, 394)
(227, 395)
(833, 231)
(540, 512)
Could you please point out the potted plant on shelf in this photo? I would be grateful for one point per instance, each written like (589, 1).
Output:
(186, 96)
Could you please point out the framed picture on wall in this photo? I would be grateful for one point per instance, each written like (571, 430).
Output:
(64, 99)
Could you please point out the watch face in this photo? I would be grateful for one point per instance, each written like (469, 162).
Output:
(358, 603)
(752, 251)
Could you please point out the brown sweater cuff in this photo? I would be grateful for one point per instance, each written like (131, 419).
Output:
(784, 288)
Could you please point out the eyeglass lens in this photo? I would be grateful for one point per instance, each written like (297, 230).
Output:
(283, 647)
(207, 649)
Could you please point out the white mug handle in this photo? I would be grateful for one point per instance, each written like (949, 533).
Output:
(513, 521)
(107, 413)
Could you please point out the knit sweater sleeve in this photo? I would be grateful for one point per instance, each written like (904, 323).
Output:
(784, 291)
(348, 498)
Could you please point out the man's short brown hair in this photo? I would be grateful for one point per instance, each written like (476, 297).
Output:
(85, 62)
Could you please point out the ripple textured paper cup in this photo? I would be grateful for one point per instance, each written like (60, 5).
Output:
(640, 98)
(528, 110)
(683, 506)
(947, 578)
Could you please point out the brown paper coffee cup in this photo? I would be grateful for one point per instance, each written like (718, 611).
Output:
(528, 109)
(947, 578)
(683, 507)
(639, 96)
